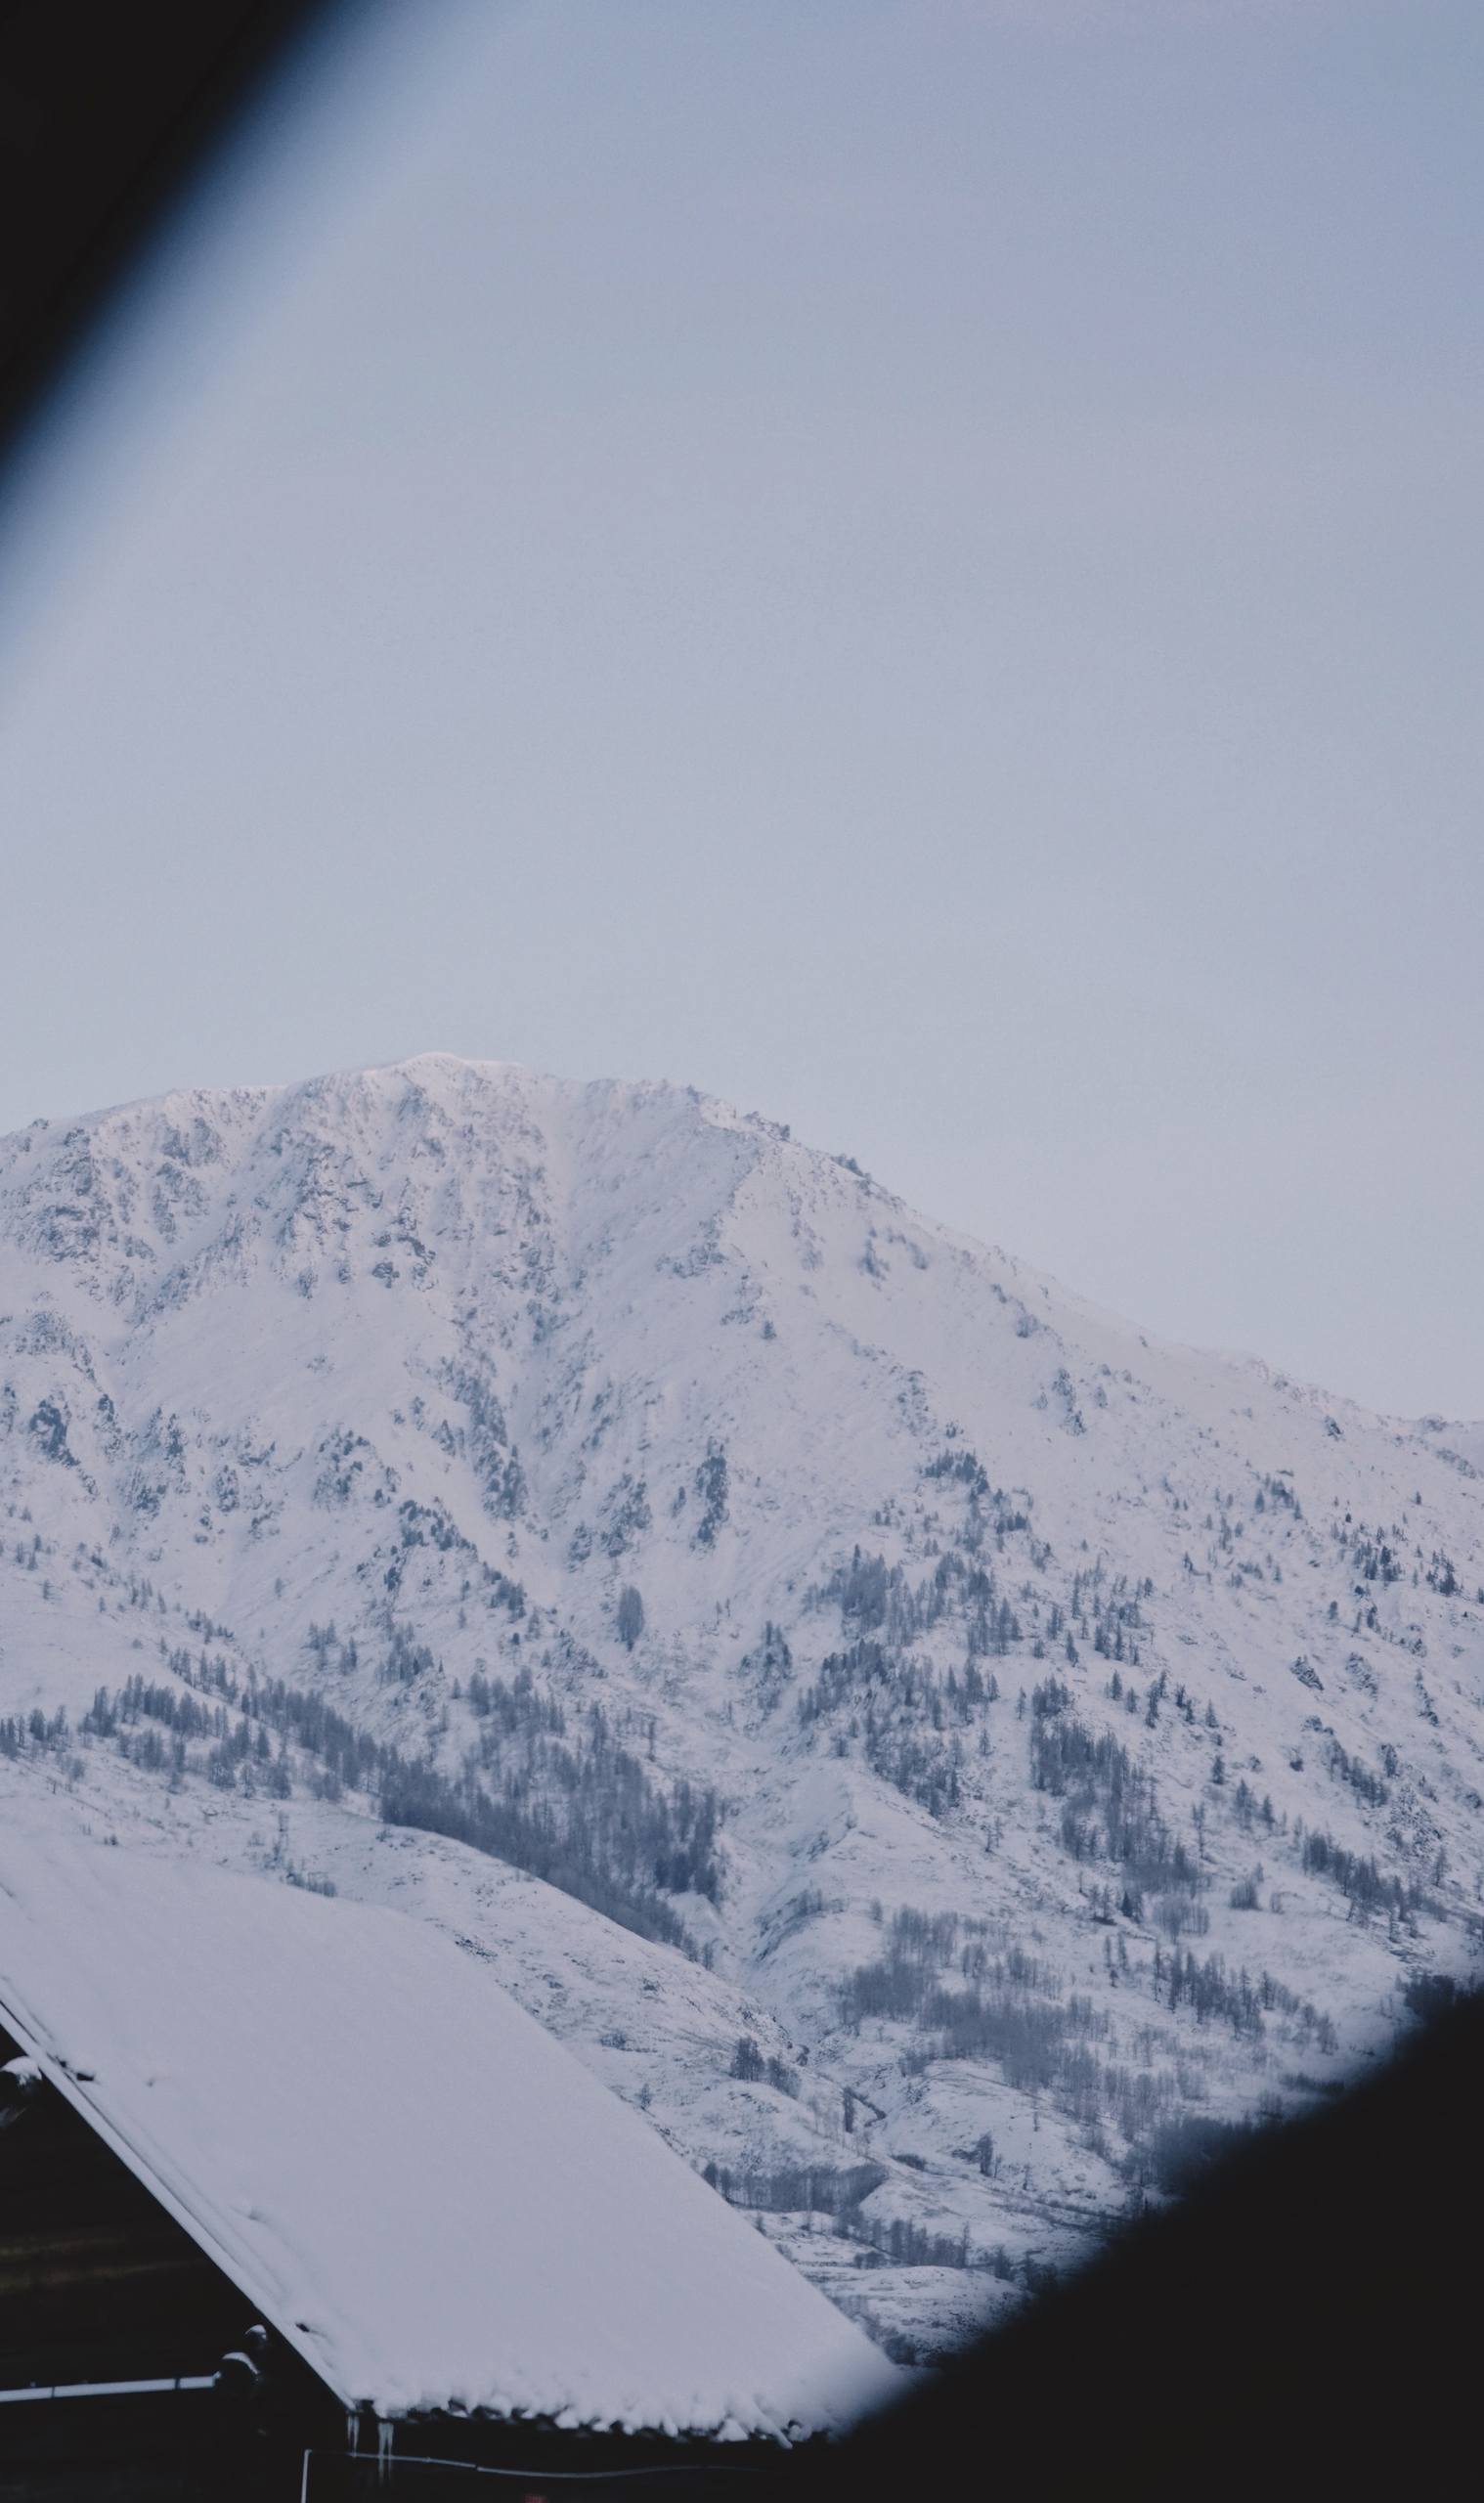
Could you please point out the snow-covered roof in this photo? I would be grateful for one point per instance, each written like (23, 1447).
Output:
(421, 2189)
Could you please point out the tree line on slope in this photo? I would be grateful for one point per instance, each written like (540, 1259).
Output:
(578, 1810)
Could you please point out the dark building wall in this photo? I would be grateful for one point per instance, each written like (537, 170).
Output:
(129, 2450)
(99, 2284)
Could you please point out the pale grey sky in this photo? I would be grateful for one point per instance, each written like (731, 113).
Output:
(915, 563)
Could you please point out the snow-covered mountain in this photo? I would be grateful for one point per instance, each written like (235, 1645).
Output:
(930, 1746)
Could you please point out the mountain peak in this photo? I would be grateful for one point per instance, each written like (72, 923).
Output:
(993, 1741)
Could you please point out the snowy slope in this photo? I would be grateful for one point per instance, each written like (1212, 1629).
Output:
(1034, 1735)
(409, 2178)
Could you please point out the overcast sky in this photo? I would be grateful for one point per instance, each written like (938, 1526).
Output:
(914, 563)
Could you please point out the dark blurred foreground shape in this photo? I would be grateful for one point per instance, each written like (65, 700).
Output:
(1309, 2321)
(107, 108)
